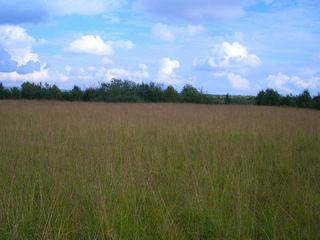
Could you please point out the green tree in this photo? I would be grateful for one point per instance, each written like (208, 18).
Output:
(269, 97)
(227, 99)
(316, 101)
(76, 94)
(4, 94)
(15, 93)
(190, 94)
(288, 100)
(54, 93)
(171, 95)
(32, 90)
(304, 99)
(150, 92)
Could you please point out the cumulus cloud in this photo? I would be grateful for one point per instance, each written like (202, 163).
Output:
(238, 82)
(17, 61)
(202, 10)
(228, 56)
(90, 44)
(122, 73)
(19, 11)
(9, 66)
(17, 43)
(292, 84)
(166, 72)
(229, 61)
(168, 33)
(36, 76)
(102, 74)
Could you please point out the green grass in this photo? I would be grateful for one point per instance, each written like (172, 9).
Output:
(158, 171)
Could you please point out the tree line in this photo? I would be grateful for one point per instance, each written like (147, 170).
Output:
(118, 90)
(271, 97)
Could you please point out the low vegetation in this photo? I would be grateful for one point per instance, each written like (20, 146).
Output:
(74, 170)
(127, 91)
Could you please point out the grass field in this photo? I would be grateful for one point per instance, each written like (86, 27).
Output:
(158, 171)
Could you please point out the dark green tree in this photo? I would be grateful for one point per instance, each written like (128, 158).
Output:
(288, 100)
(316, 101)
(54, 92)
(269, 97)
(4, 93)
(32, 90)
(190, 94)
(76, 94)
(304, 99)
(15, 93)
(171, 95)
(227, 99)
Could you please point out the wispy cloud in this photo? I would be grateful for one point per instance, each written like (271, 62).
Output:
(172, 33)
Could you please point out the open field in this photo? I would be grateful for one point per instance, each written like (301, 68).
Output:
(158, 171)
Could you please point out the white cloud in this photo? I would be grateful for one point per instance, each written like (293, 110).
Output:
(84, 7)
(277, 81)
(228, 56)
(102, 74)
(168, 33)
(122, 73)
(238, 82)
(166, 72)
(167, 65)
(35, 76)
(92, 45)
(292, 84)
(17, 43)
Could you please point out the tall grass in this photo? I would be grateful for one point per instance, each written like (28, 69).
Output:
(158, 171)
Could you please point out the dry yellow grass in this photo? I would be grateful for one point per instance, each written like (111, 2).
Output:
(158, 171)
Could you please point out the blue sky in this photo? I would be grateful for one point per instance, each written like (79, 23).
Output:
(229, 46)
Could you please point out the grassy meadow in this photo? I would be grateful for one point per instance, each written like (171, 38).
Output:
(158, 171)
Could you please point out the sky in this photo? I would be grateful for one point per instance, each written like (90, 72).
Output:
(238, 47)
